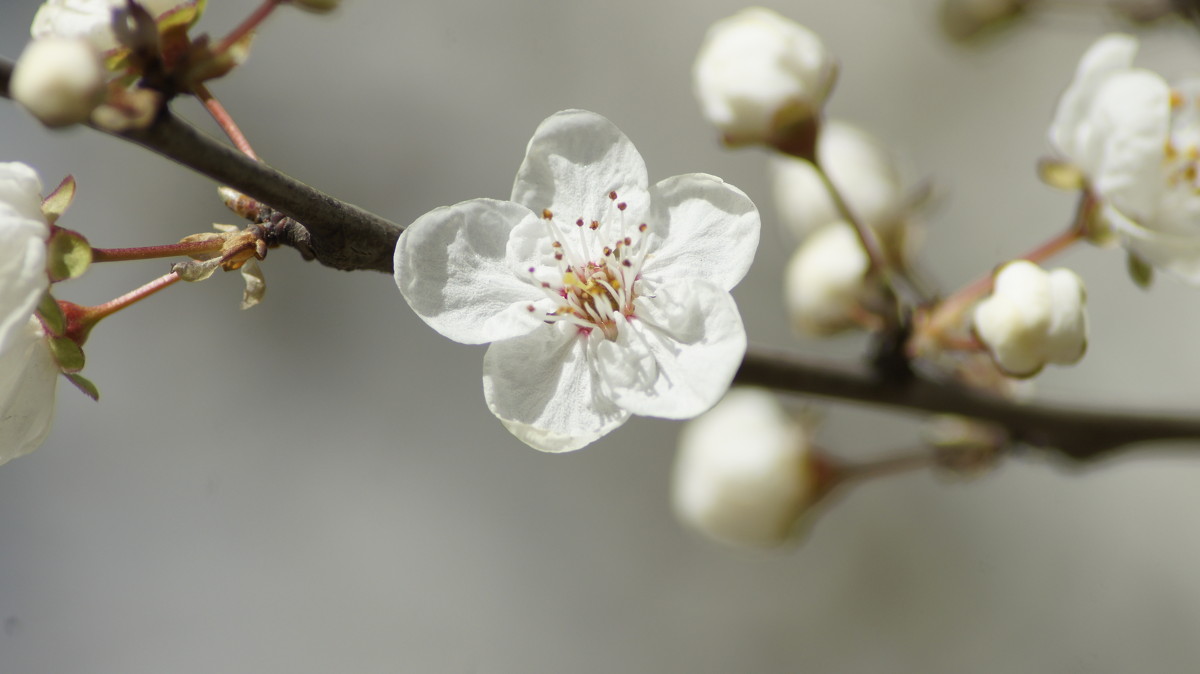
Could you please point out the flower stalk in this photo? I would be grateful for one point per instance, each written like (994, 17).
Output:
(248, 26)
(81, 320)
(182, 249)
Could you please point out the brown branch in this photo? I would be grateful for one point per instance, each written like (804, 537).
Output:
(339, 235)
(1080, 434)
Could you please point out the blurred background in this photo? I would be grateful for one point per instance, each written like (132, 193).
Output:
(315, 485)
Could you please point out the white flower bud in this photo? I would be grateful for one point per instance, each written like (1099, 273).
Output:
(59, 80)
(745, 473)
(860, 167)
(825, 280)
(758, 74)
(1033, 317)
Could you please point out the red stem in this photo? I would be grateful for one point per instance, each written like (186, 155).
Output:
(223, 119)
(92, 315)
(154, 252)
(264, 10)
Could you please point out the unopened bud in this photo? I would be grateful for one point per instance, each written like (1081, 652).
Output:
(762, 78)
(59, 80)
(1033, 317)
(746, 472)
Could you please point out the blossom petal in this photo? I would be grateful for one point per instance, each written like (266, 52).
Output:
(22, 268)
(574, 160)
(693, 333)
(1108, 55)
(21, 190)
(27, 383)
(1123, 153)
(542, 389)
(709, 230)
(451, 267)
(1177, 253)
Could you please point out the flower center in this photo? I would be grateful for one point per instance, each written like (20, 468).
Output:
(597, 266)
(1181, 152)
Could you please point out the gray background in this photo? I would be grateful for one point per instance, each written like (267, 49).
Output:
(316, 485)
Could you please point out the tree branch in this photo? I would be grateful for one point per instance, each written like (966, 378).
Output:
(346, 237)
(1079, 434)
(339, 235)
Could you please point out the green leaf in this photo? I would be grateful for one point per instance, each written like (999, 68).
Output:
(84, 384)
(1140, 271)
(57, 202)
(52, 315)
(67, 353)
(69, 255)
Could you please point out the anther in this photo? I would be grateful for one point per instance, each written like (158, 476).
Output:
(579, 222)
(629, 241)
(627, 263)
(607, 251)
(547, 214)
(643, 227)
(612, 195)
(621, 206)
(595, 225)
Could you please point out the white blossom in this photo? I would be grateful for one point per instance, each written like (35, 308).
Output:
(23, 235)
(745, 473)
(826, 280)
(758, 73)
(1033, 317)
(28, 378)
(59, 80)
(602, 295)
(91, 19)
(1137, 142)
(863, 170)
(28, 373)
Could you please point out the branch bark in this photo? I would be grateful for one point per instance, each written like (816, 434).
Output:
(338, 234)
(1078, 434)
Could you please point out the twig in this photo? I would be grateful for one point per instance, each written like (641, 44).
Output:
(1080, 434)
(346, 237)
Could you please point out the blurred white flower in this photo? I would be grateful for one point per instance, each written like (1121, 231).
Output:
(862, 169)
(23, 235)
(1137, 142)
(1033, 317)
(826, 280)
(28, 378)
(745, 473)
(603, 296)
(28, 373)
(59, 80)
(759, 74)
(91, 19)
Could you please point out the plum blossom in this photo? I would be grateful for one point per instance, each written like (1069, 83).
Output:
(1136, 141)
(746, 472)
(91, 19)
(759, 74)
(28, 378)
(28, 372)
(602, 295)
(1033, 317)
